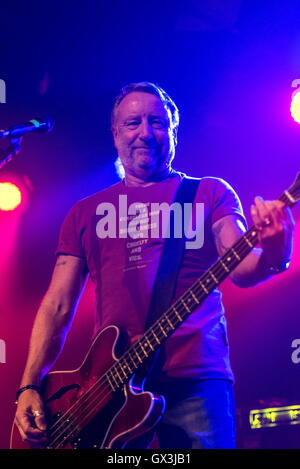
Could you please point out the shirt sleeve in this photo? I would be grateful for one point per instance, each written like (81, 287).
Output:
(225, 201)
(70, 235)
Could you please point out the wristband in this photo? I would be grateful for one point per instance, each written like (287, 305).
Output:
(274, 269)
(277, 269)
(24, 388)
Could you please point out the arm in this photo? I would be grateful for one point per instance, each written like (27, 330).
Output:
(275, 239)
(49, 332)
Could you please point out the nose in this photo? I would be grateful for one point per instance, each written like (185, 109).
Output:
(146, 131)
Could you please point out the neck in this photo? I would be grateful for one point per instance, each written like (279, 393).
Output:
(136, 181)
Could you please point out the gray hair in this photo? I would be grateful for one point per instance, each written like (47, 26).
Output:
(146, 87)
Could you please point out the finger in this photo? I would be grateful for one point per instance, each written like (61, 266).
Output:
(33, 438)
(273, 214)
(281, 216)
(262, 211)
(20, 428)
(257, 218)
(28, 431)
(284, 212)
(40, 422)
(269, 215)
(28, 426)
(254, 214)
(288, 217)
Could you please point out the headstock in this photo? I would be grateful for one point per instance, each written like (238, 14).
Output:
(292, 195)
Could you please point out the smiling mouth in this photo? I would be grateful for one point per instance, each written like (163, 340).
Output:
(144, 148)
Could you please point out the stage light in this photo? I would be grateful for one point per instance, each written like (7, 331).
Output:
(295, 107)
(10, 196)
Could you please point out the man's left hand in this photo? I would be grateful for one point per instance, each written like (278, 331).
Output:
(275, 226)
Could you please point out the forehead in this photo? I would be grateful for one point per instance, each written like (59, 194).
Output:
(141, 103)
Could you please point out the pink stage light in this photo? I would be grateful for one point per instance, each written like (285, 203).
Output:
(10, 196)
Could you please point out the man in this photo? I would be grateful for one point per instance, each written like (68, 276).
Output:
(195, 377)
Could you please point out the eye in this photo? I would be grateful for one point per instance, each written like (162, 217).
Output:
(158, 123)
(132, 123)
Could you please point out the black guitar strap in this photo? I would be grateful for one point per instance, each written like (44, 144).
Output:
(171, 259)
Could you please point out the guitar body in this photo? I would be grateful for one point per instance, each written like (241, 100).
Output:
(84, 412)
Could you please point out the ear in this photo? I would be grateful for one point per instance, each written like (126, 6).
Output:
(114, 133)
(175, 133)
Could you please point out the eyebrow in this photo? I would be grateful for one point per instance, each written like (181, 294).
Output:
(135, 116)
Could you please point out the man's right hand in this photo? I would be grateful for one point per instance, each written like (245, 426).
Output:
(50, 328)
(30, 419)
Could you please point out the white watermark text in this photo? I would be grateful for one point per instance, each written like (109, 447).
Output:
(2, 91)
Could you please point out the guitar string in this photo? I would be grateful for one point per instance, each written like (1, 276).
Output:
(104, 379)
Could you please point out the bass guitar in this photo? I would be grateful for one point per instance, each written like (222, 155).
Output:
(103, 404)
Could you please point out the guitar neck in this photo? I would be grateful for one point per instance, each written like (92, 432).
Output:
(155, 336)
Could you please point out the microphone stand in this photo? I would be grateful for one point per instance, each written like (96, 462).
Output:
(10, 152)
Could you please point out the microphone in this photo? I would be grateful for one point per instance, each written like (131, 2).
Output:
(42, 125)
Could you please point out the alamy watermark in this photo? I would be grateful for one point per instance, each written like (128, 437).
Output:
(2, 91)
(2, 351)
(296, 353)
(296, 84)
(144, 220)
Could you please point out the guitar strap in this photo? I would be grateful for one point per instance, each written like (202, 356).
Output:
(165, 283)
